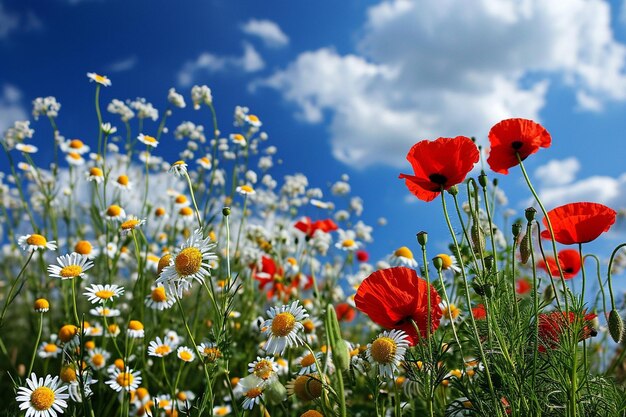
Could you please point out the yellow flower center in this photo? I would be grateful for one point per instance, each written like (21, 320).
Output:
(404, 252)
(105, 294)
(446, 260)
(181, 199)
(135, 325)
(307, 387)
(41, 304)
(98, 359)
(122, 180)
(292, 261)
(212, 353)
(162, 350)
(308, 360)
(254, 392)
(130, 224)
(185, 211)
(188, 261)
(383, 349)
(158, 295)
(283, 324)
(36, 240)
(68, 374)
(149, 139)
(222, 411)
(101, 79)
(114, 210)
(50, 348)
(76, 144)
(205, 160)
(160, 211)
(184, 355)
(246, 189)
(71, 271)
(42, 398)
(163, 262)
(96, 172)
(263, 369)
(253, 118)
(124, 379)
(177, 163)
(347, 243)
(83, 247)
(238, 138)
(75, 156)
(119, 364)
(309, 326)
(451, 312)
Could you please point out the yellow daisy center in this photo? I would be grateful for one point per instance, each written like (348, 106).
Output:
(254, 392)
(185, 211)
(135, 325)
(105, 294)
(96, 172)
(68, 374)
(383, 349)
(130, 224)
(158, 295)
(101, 79)
(42, 398)
(253, 118)
(222, 411)
(83, 247)
(162, 350)
(114, 210)
(307, 387)
(246, 189)
(184, 355)
(212, 353)
(71, 271)
(41, 304)
(76, 144)
(122, 180)
(312, 413)
(181, 199)
(119, 364)
(446, 260)
(283, 324)
(238, 138)
(149, 139)
(404, 252)
(205, 160)
(160, 211)
(125, 379)
(309, 326)
(98, 359)
(451, 312)
(36, 240)
(75, 156)
(347, 243)
(263, 369)
(308, 360)
(292, 261)
(163, 262)
(177, 163)
(50, 348)
(188, 261)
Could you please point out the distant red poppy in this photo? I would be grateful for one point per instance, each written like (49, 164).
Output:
(522, 286)
(569, 259)
(395, 296)
(273, 276)
(479, 312)
(515, 136)
(579, 222)
(439, 164)
(307, 226)
(345, 312)
(362, 256)
(552, 325)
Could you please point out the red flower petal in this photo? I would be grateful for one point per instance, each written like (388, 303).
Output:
(515, 136)
(569, 259)
(579, 222)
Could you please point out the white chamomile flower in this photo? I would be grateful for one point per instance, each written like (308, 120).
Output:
(347, 240)
(42, 397)
(178, 168)
(102, 311)
(185, 354)
(74, 146)
(129, 224)
(159, 298)
(160, 348)
(283, 326)
(403, 257)
(127, 380)
(114, 213)
(148, 140)
(252, 388)
(97, 293)
(449, 262)
(100, 79)
(22, 147)
(387, 351)
(35, 242)
(70, 266)
(264, 368)
(245, 190)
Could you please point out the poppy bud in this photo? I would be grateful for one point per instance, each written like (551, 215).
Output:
(495, 182)
(616, 326)
(516, 229)
(478, 239)
(438, 263)
(489, 263)
(341, 356)
(482, 179)
(275, 392)
(530, 213)
(524, 248)
(454, 190)
(226, 211)
(548, 294)
(422, 238)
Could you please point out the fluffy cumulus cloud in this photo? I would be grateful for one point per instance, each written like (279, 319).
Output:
(13, 22)
(249, 61)
(11, 108)
(431, 69)
(269, 32)
(125, 64)
(558, 172)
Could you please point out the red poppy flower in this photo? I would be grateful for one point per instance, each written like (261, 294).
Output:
(362, 256)
(515, 136)
(273, 276)
(569, 259)
(345, 312)
(579, 222)
(395, 296)
(439, 164)
(479, 312)
(307, 226)
(552, 325)
(522, 286)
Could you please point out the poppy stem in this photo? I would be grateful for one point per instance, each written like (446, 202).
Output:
(609, 273)
(469, 305)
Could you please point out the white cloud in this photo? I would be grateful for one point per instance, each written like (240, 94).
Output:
(269, 32)
(432, 69)
(558, 172)
(600, 189)
(9, 22)
(249, 61)
(122, 65)
(11, 108)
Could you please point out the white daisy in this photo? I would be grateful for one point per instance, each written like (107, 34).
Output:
(264, 368)
(159, 298)
(178, 168)
(283, 326)
(222, 410)
(127, 379)
(185, 354)
(100, 79)
(245, 190)
(95, 174)
(347, 240)
(85, 248)
(252, 388)
(114, 213)
(189, 262)
(148, 140)
(75, 159)
(205, 162)
(238, 138)
(210, 351)
(181, 201)
(70, 266)
(42, 397)
(98, 293)
(387, 351)
(135, 329)
(449, 262)
(403, 257)
(48, 350)
(74, 145)
(307, 362)
(160, 348)
(102, 311)
(35, 242)
(130, 224)
(22, 147)
(123, 183)
(98, 358)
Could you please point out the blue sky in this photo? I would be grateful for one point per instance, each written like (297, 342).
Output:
(348, 86)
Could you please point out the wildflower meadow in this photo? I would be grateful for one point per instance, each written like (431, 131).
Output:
(137, 283)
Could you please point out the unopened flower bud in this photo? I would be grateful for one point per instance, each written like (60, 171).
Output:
(516, 229)
(422, 238)
(548, 294)
(482, 179)
(341, 356)
(454, 190)
(616, 326)
(275, 392)
(226, 211)
(524, 248)
(438, 263)
(530, 213)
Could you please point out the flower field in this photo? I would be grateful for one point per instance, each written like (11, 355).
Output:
(134, 283)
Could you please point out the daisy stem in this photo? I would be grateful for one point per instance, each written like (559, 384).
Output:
(193, 199)
(32, 359)
(535, 302)
(243, 220)
(469, 304)
(99, 114)
(445, 296)
(493, 242)
(10, 297)
(145, 193)
(74, 301)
